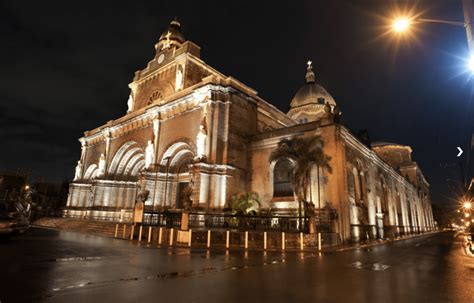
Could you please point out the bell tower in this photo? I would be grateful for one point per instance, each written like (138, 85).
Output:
(171, 38)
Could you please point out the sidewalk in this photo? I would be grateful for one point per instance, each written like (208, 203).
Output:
(379, 242)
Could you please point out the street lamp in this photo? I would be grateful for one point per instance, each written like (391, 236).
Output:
(401, 24)
(467, 205)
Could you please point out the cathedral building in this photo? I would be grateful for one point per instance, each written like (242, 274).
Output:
(192, 137)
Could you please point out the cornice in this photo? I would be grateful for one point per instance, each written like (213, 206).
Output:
(353, 142)
(195, 99)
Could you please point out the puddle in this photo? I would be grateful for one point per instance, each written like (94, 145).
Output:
(170, 275)
(73, 259)
(370, 266)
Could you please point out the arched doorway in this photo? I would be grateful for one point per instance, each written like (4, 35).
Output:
(175, 165)
(183, 184)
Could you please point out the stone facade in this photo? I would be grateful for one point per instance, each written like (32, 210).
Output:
(192, 137)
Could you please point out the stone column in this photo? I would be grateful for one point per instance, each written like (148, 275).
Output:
(108, 138)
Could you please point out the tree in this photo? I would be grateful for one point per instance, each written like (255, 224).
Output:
(245, 203)
(305, 153)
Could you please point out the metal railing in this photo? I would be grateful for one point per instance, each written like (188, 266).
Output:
(247, 222)
(167, 219)
(324, 222)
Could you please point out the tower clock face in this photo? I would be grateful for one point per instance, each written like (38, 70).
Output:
(161, 58)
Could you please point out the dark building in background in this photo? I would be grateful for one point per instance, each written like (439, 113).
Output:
(49, 197)
(12, 183)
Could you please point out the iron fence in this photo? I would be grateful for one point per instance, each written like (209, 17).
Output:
(247, 222)
(167, 219)
(323, 221)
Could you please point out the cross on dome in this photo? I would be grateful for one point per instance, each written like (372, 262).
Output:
(310, 77)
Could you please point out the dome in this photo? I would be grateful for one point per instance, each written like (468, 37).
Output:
(171, 36)
(309, 101)
(311, 92)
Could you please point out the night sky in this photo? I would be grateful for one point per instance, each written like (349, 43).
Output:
(65, 68)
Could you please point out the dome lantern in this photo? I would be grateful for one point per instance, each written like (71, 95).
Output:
(170, 37)
(310, 77)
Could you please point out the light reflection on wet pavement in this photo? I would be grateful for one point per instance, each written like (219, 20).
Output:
(63, 266)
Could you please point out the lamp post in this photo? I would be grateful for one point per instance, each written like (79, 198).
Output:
(403, 24)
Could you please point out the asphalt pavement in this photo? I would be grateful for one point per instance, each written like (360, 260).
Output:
(59, 266)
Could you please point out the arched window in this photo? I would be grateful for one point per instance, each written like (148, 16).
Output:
(282, 179)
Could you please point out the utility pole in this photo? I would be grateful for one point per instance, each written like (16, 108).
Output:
(468, 10)
(468, 19)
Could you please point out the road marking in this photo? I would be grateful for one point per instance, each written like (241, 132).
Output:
(379, 267)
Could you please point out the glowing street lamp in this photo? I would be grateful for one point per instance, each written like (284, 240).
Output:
(401, 24)
(470, 64)
(467, 205)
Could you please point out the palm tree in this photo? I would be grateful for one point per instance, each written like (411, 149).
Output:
(242, 205)
(245, 203)
(304, 152)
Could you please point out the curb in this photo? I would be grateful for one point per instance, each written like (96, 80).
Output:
(372, 244)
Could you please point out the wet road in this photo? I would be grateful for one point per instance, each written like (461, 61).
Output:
(59, 266)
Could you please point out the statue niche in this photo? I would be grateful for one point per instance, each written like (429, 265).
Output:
(185, 196)
(78, 172)
(201, 138)
(102, 164)
(130, 103)
(149, 154)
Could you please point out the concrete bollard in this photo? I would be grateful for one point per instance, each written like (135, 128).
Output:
(150, 232)
(319, 241)
(140, 230)
(124, 232)
(227, 239)
(265, 240)
(116, 231)
(160, 235)
(282, 240)
(171, 236)
(190, 237)
(208, 238)
(301, 242)
(132, 232)
(246, 240)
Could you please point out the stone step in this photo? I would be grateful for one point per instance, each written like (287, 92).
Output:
(83, 226)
